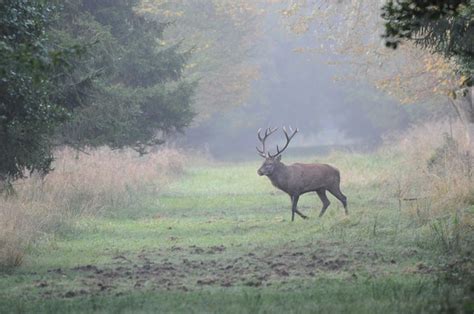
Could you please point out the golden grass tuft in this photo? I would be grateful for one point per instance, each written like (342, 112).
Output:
(22, 222)
(434, 180)
(433, 168)
(81, 184)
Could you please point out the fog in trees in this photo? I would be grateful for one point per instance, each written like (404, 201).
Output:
(309, 90)
(236, 156)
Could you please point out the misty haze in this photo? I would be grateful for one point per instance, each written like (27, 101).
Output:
(236, 156)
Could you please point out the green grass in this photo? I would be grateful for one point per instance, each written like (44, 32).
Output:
(220, 240)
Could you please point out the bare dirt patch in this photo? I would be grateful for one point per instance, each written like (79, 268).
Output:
(193, 267)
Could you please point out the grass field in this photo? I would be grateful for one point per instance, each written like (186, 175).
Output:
(220, 240)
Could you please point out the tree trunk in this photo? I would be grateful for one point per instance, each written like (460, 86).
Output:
(470, 134)
(464, 105)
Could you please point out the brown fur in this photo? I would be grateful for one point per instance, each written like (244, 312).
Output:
(298, 179)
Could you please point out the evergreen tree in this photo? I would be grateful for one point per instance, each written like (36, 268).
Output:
(28, 114)
(138, 95)
(84, 73)
(445, 27)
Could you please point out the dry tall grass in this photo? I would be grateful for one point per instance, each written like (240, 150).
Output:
(434, 179)
(81, 184)
(434, 166)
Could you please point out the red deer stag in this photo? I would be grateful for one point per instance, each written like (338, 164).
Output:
(297, 179)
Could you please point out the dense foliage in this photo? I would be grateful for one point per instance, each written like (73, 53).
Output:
(138, 93)
(84, 73)
(28, 116)
(445, 27)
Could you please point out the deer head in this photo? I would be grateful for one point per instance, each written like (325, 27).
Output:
(272, 161)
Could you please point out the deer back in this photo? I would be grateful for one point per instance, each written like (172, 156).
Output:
(300, 178)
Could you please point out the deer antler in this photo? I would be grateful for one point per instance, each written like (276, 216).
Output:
(288, 139)
(268, 132)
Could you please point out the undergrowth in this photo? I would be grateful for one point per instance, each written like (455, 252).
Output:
(82, 184)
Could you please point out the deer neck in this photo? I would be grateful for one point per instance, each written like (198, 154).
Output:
(279, 177)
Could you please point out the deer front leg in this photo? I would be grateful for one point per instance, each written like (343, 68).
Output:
(294, 208)
(301, 215)
(294, 203)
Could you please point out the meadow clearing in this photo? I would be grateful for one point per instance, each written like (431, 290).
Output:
(215, 237)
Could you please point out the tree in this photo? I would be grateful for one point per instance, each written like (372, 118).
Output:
(222, 35)
(84, 73)
(28, 114)
(137, 95)
(445, 28)
(409, 74)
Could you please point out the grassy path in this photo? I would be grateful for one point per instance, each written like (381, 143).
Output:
(220, 240)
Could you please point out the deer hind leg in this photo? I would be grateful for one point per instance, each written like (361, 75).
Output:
(324, 199)
(336, 191)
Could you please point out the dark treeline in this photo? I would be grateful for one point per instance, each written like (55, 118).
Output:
(85, 73)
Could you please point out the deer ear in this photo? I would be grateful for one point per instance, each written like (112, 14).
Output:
(278, 158)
